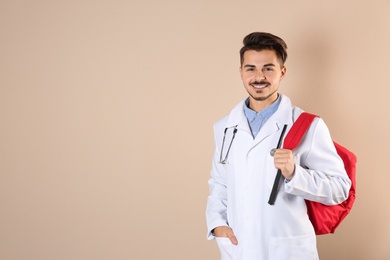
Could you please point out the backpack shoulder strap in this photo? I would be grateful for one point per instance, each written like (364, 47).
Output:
(298, 130)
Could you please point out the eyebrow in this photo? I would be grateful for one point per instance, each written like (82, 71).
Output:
(265, 65)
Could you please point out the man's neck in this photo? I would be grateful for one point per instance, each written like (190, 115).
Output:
(258, 105)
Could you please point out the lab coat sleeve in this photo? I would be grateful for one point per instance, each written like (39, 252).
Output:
(319, 171)
(216, 214)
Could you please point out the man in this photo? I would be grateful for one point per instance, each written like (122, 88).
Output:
(245, 164)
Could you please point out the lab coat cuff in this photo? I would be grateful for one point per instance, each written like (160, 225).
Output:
(210, 233)
(290, 184)
(286, 180)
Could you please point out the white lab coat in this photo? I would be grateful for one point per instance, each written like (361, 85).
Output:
(240, 189)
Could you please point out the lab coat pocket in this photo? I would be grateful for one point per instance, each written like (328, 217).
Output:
(225, 247)
(293, 248)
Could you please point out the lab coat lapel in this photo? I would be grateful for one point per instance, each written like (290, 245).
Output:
(276, 122)
(238, 118)
(269, 128)
(281, 117)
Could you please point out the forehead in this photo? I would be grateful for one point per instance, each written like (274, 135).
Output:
(253, 57)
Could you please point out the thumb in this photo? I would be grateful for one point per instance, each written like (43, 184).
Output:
(232, 237)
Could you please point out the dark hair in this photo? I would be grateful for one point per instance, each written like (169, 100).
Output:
(264, 41)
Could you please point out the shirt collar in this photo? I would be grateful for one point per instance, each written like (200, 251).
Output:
(265, 113)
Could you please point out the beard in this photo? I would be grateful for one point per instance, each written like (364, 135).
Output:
(262, 98)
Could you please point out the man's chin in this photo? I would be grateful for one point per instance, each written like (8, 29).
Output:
(263, 97)
(260, 98)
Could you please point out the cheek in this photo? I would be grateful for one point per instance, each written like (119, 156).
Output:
(276, 79)
(246, 78)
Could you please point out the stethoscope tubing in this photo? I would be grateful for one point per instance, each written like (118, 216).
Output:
(224, 161)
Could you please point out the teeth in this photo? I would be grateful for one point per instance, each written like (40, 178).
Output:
(259, 86)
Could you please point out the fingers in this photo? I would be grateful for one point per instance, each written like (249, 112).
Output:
(284, 160)
(225, 231)
(232, 237)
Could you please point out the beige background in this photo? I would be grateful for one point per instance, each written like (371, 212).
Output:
(107, 107)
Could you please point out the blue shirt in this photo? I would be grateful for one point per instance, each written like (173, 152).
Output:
(257, 119)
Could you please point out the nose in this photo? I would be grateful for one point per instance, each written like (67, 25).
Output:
(260, 76)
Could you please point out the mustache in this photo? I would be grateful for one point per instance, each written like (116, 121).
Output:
(260, 82)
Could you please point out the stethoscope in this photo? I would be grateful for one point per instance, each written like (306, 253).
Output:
(273, 194)
(224, 161)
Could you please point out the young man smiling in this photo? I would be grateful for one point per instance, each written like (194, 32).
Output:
(245, 226)
(261, 74)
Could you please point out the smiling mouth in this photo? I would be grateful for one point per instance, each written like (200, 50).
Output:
(259, 85)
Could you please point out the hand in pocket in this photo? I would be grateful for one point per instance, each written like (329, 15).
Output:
(225, 231)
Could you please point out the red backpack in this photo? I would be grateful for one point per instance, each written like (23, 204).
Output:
(325, 219)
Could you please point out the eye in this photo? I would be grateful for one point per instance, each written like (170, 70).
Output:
(269, 69)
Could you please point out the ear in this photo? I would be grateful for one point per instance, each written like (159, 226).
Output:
(284, 70)
(240, 70)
